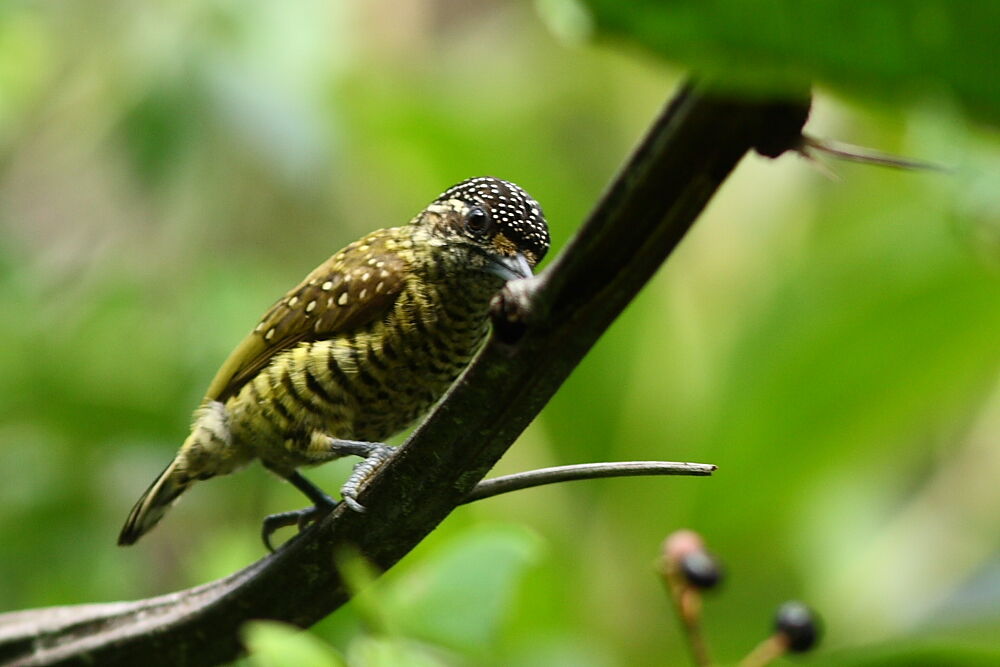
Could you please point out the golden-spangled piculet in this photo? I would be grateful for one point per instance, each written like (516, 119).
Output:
(365, 345)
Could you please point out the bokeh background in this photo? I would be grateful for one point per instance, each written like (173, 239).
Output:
(167, 169)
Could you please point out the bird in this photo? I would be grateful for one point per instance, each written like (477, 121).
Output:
(366, 344)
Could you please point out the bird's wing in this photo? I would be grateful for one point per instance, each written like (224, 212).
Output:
(354, 287)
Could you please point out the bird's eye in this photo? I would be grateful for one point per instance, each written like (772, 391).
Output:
(476, 220)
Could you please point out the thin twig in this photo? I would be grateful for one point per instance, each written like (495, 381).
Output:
(688, 602)
(853, 153)
(532, 478)
(766, 652)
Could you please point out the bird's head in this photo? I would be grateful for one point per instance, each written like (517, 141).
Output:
(488, 225)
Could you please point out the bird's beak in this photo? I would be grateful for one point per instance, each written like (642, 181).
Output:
(510, 268)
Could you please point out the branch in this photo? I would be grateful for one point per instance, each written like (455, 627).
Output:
(544, 328)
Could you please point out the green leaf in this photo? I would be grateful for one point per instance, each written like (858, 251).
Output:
(885, 51)
(459, 596)
(904, 655)
(279, 645)
(393, 652)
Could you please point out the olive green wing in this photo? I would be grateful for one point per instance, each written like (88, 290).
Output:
(351, 289)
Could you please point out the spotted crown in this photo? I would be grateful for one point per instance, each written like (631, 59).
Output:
(514, 211)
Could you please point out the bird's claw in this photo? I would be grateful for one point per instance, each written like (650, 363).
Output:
(354, 504)
(376, 456)
(299, 518)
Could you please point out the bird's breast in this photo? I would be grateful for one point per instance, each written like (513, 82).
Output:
(366, 384)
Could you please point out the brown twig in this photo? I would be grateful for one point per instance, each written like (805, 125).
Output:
(687, 601)
(766, 652)
(863, 155)
(684, 584)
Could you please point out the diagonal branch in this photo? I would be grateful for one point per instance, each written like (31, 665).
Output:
(544, 327)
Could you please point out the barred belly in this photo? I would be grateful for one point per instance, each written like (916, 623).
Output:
(368, 385)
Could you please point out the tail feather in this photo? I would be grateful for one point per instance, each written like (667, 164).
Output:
(154, 503)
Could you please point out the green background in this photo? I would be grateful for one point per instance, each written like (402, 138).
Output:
(167, 169)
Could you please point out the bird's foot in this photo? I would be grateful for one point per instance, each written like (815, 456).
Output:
(300, 518)
(375, 455)
(337, 448)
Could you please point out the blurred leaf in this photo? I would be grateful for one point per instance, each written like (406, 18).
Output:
(24, 64)
(278, 645)
(907, 655)
(459, 596)
(882, 50)
(387, 652)
(155, 131)
(361, 577)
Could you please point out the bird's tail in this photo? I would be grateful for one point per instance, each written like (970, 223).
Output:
(155, 502)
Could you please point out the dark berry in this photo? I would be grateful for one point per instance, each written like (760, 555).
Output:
(701, 569)
(799, 624)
